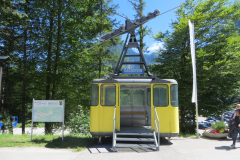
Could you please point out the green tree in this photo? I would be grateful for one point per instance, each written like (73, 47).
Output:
(10, 21)
(217, 55)
(143, 31)
(45, 43)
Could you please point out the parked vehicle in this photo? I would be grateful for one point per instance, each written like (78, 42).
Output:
(206, 123)
(226, 119)
(202, 126)
(212, 121)
(211, 118)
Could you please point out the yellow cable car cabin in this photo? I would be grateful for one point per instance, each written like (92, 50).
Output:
(135, 100)
(133, 106)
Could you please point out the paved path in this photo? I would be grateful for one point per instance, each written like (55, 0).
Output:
(177, 149)
(37, 131)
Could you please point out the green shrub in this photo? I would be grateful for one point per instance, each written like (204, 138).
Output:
(79, 122)
(219, 126)
(190, 128)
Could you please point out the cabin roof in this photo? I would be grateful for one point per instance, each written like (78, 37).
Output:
(134, 81)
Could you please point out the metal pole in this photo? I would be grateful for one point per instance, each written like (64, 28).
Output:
(32, 120)
(154, 118)
(0, 79)
(197, 118)
(158, 135)
(63, 119)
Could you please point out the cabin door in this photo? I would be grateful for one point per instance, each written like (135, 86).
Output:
(135, 106)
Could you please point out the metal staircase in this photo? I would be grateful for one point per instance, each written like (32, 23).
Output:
(135, 139)
(135, 136)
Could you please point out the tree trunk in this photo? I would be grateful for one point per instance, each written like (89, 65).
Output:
(100, 50)
(54, 89)
(182, 124)
(48, 125)
(141, 33)
(24, 81)
(24, 72)
(7, 88)
(141, 26)
(100, 66)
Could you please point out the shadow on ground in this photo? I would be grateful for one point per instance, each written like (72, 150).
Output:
(106, 147)
(227, 148)
(69, 142)
(217, 139)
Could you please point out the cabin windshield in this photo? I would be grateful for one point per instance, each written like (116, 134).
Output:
(174, 95)
(108, 95)
(160, 95)
(94, 94)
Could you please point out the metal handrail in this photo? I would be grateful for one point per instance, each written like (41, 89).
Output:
(114, 123)
(157, 126)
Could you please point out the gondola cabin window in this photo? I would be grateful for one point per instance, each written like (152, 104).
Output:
(94, 94)
(174, 95)
(108, 95)
(125, 97)
(160, 95)
(139, 97)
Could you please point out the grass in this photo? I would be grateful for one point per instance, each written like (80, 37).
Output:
(187, 135)
(76, 143)
(19, 125)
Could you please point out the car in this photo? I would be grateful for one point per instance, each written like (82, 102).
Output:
(202, 126)
(206, 123)
(226, 119)
(211, 118)
(212, 121)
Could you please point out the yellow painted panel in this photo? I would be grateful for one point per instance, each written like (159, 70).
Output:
(94, 119)
(168, 116)
(174, 119)
(106, 114)
(106, 119)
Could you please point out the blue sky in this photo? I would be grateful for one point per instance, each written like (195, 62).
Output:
(160, 23)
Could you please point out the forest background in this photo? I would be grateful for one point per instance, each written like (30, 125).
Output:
(44, 40)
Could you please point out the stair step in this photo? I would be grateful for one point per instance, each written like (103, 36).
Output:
(133, 113)
(132, 119)
(134, 134)
(136, 139)
(136, 145)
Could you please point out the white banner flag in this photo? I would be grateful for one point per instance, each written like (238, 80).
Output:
(192, 44)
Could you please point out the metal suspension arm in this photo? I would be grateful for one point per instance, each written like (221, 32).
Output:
(129, 26)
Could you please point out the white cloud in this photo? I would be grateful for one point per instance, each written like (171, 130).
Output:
(155, 46)
(135, 50)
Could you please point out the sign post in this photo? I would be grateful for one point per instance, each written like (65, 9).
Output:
(48, 111)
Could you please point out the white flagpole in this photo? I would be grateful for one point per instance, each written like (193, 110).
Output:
(194, 93)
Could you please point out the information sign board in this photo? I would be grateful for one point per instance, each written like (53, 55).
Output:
(48, 111)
